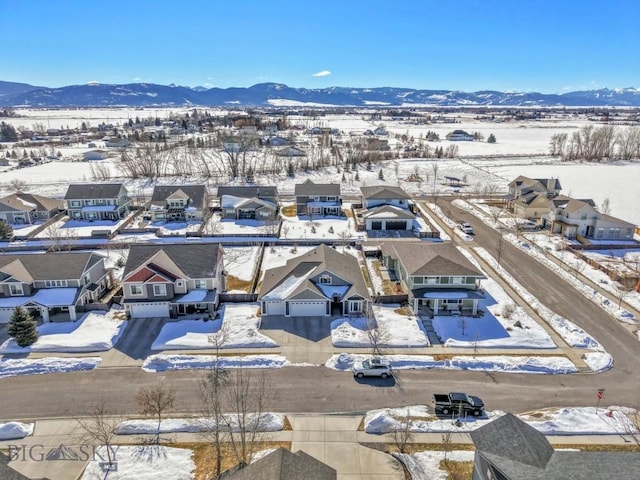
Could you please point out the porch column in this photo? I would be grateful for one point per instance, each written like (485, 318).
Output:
(475, 306)
(72, 313)
(436, 306)
(415, 305)
(44, 311)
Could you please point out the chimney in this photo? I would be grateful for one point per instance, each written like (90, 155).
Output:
(551, 184)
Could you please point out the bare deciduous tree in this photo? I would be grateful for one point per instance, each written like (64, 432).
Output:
(156, 401)
(18, 185)
(100, 428)
(404, 435)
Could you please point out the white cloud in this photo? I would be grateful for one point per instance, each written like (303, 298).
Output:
(323, 73)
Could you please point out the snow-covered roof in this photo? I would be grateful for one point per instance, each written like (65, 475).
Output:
(55, 297)
(330, 290)
(13, 302)
(288, 286)
(450, 295)
(197, 296)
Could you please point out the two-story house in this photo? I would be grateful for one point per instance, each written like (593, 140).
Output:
(249, 202)
(318, 198)
(439, 279)
(178, 203)
(387, 208)
(529, 197)
(27, 208)
(571, 217)
(51, 284)
(97, 201)
(171, 280)
(317, 283)
(459, 136)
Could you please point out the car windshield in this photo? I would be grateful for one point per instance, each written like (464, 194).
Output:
(366, 364)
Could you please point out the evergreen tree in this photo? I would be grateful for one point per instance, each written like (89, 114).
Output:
(8, 133)
(290, 170)
(380, 175)
(6, 232)
(491, 139)
(357, 177)
(23, 328)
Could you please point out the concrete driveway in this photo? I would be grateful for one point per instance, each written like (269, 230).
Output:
(135, 343)
(302, 339)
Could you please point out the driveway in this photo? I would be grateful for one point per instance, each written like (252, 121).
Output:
(135, 343)
(302, 339)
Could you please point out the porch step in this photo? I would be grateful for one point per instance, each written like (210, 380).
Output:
(431, 333)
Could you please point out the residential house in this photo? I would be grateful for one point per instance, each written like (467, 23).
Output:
(318, 198)
(507, 448)
(27, 208)
(117, 143)
(291, 152)
(97, 201)
(249, 202)
(277, 142)
(51, 284)
(579, 217)
(529, 197)
(95, 155)
(439, 279)
(283, 464)
(387, 208)
(459, 136)
(381, 131)
(317, 283)
(178, 203)
(173, 279)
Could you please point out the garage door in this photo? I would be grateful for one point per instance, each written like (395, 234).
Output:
(396, 225)
(273, 308)
(307, 309)
(5, 314)
(146, 310)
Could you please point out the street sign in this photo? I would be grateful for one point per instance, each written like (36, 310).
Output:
(600, 393)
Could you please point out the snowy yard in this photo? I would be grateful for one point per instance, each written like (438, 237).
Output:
(216, 225)
(396, 330)
(70, 229)
(329, 227)
(427, 464)
(15, 430)
(240, 263)
(237, 327)
(95, 332)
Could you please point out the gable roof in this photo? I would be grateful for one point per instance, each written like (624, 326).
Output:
(26, 202)
(197, 194)
(384, 192)
(194, 260)
(93, 190)
(282, 464)
(309, 188)
(525, 183)
(420, 258)
(48, 266)
(295, 276)
(258, 191)
(388, 211)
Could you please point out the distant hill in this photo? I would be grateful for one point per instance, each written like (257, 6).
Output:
(276, 94)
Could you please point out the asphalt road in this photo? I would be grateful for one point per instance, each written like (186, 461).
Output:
(318, 389)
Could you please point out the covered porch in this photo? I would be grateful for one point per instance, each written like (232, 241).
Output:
(445, 302)
(195, 301)
(98, 212)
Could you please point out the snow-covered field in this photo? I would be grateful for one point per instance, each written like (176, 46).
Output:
(143, 462)
(395, 330)
(237, 327)
(318, 227)
(15, 430)
(38, 366)
(163, 363)
(95, 332)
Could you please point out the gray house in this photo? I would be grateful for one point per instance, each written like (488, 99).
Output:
(50, 284)
(282, 464)
(27, 208)
(318, 198)
(387, 208)
(178, 203)
(439, 278)
(97, 201)
(171, 280)
(509, 449)
(315, 284)
(249, 202)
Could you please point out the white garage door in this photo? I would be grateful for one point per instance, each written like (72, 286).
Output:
(307, 309)
(146, 310)
(273, 308)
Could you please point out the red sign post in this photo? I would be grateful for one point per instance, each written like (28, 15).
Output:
(600, 397)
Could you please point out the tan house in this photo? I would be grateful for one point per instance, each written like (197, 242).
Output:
(529, 197)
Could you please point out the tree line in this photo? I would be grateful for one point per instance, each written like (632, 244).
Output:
(595, 144)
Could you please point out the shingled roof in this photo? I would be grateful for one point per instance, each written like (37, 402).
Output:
(92, 190)
(196, 193)
(309, 188)
(251, 191)
(420, 258)
(282, 464)
(27, 202)
(384, 192)
(48, 266)
(194, 260)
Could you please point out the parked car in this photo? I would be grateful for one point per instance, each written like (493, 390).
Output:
(372, 367)
(466, 228)
(456, 402)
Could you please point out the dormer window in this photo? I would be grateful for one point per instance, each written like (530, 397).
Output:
(325, 280)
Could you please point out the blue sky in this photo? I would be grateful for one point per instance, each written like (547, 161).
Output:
(524, 45)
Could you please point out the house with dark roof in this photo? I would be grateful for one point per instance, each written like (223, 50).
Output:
(97, 201)
(173, 279)
(529, 197)
(51, 284)
(178, 203)
(439, 279)
(317, 283)
(318, 198)
(249, 202)
(509, 449)
(281, 464)
(572, 217)
(459, 136)
(387, 208)
(28, 208)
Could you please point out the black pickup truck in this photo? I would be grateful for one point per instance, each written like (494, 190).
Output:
(457, 403)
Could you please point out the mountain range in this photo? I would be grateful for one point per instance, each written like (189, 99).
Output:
(276, 94)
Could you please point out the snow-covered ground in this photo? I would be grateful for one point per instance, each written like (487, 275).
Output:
(330, 227)
(237, 327)
(423, 465)
(163, 363)
(240, 262)
(611, 420)
(38, 366)
(395, 330)
(94, 332)
(15, 430)
(66, 229)
(225, 226)
(269, 422)
(485, 363)
(143, 462)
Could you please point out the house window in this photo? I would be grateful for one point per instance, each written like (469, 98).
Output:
(614, 233)
(160, 290)
(315, 198)
(86, 279)
(135, 289)
(332, 198)
(16, 289)
(355, 306)
(75, 203)
(457, 280)
(55, 283)
(431, 280)
(325, 280)
(201, 284)
(179, 283)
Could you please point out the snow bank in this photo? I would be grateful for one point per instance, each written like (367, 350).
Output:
(15, 430)
(39, 366)
(162, 363)
(427, 464)
(269, 422)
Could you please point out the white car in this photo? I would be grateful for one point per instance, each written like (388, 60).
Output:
(466, 228)
(372, 367)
